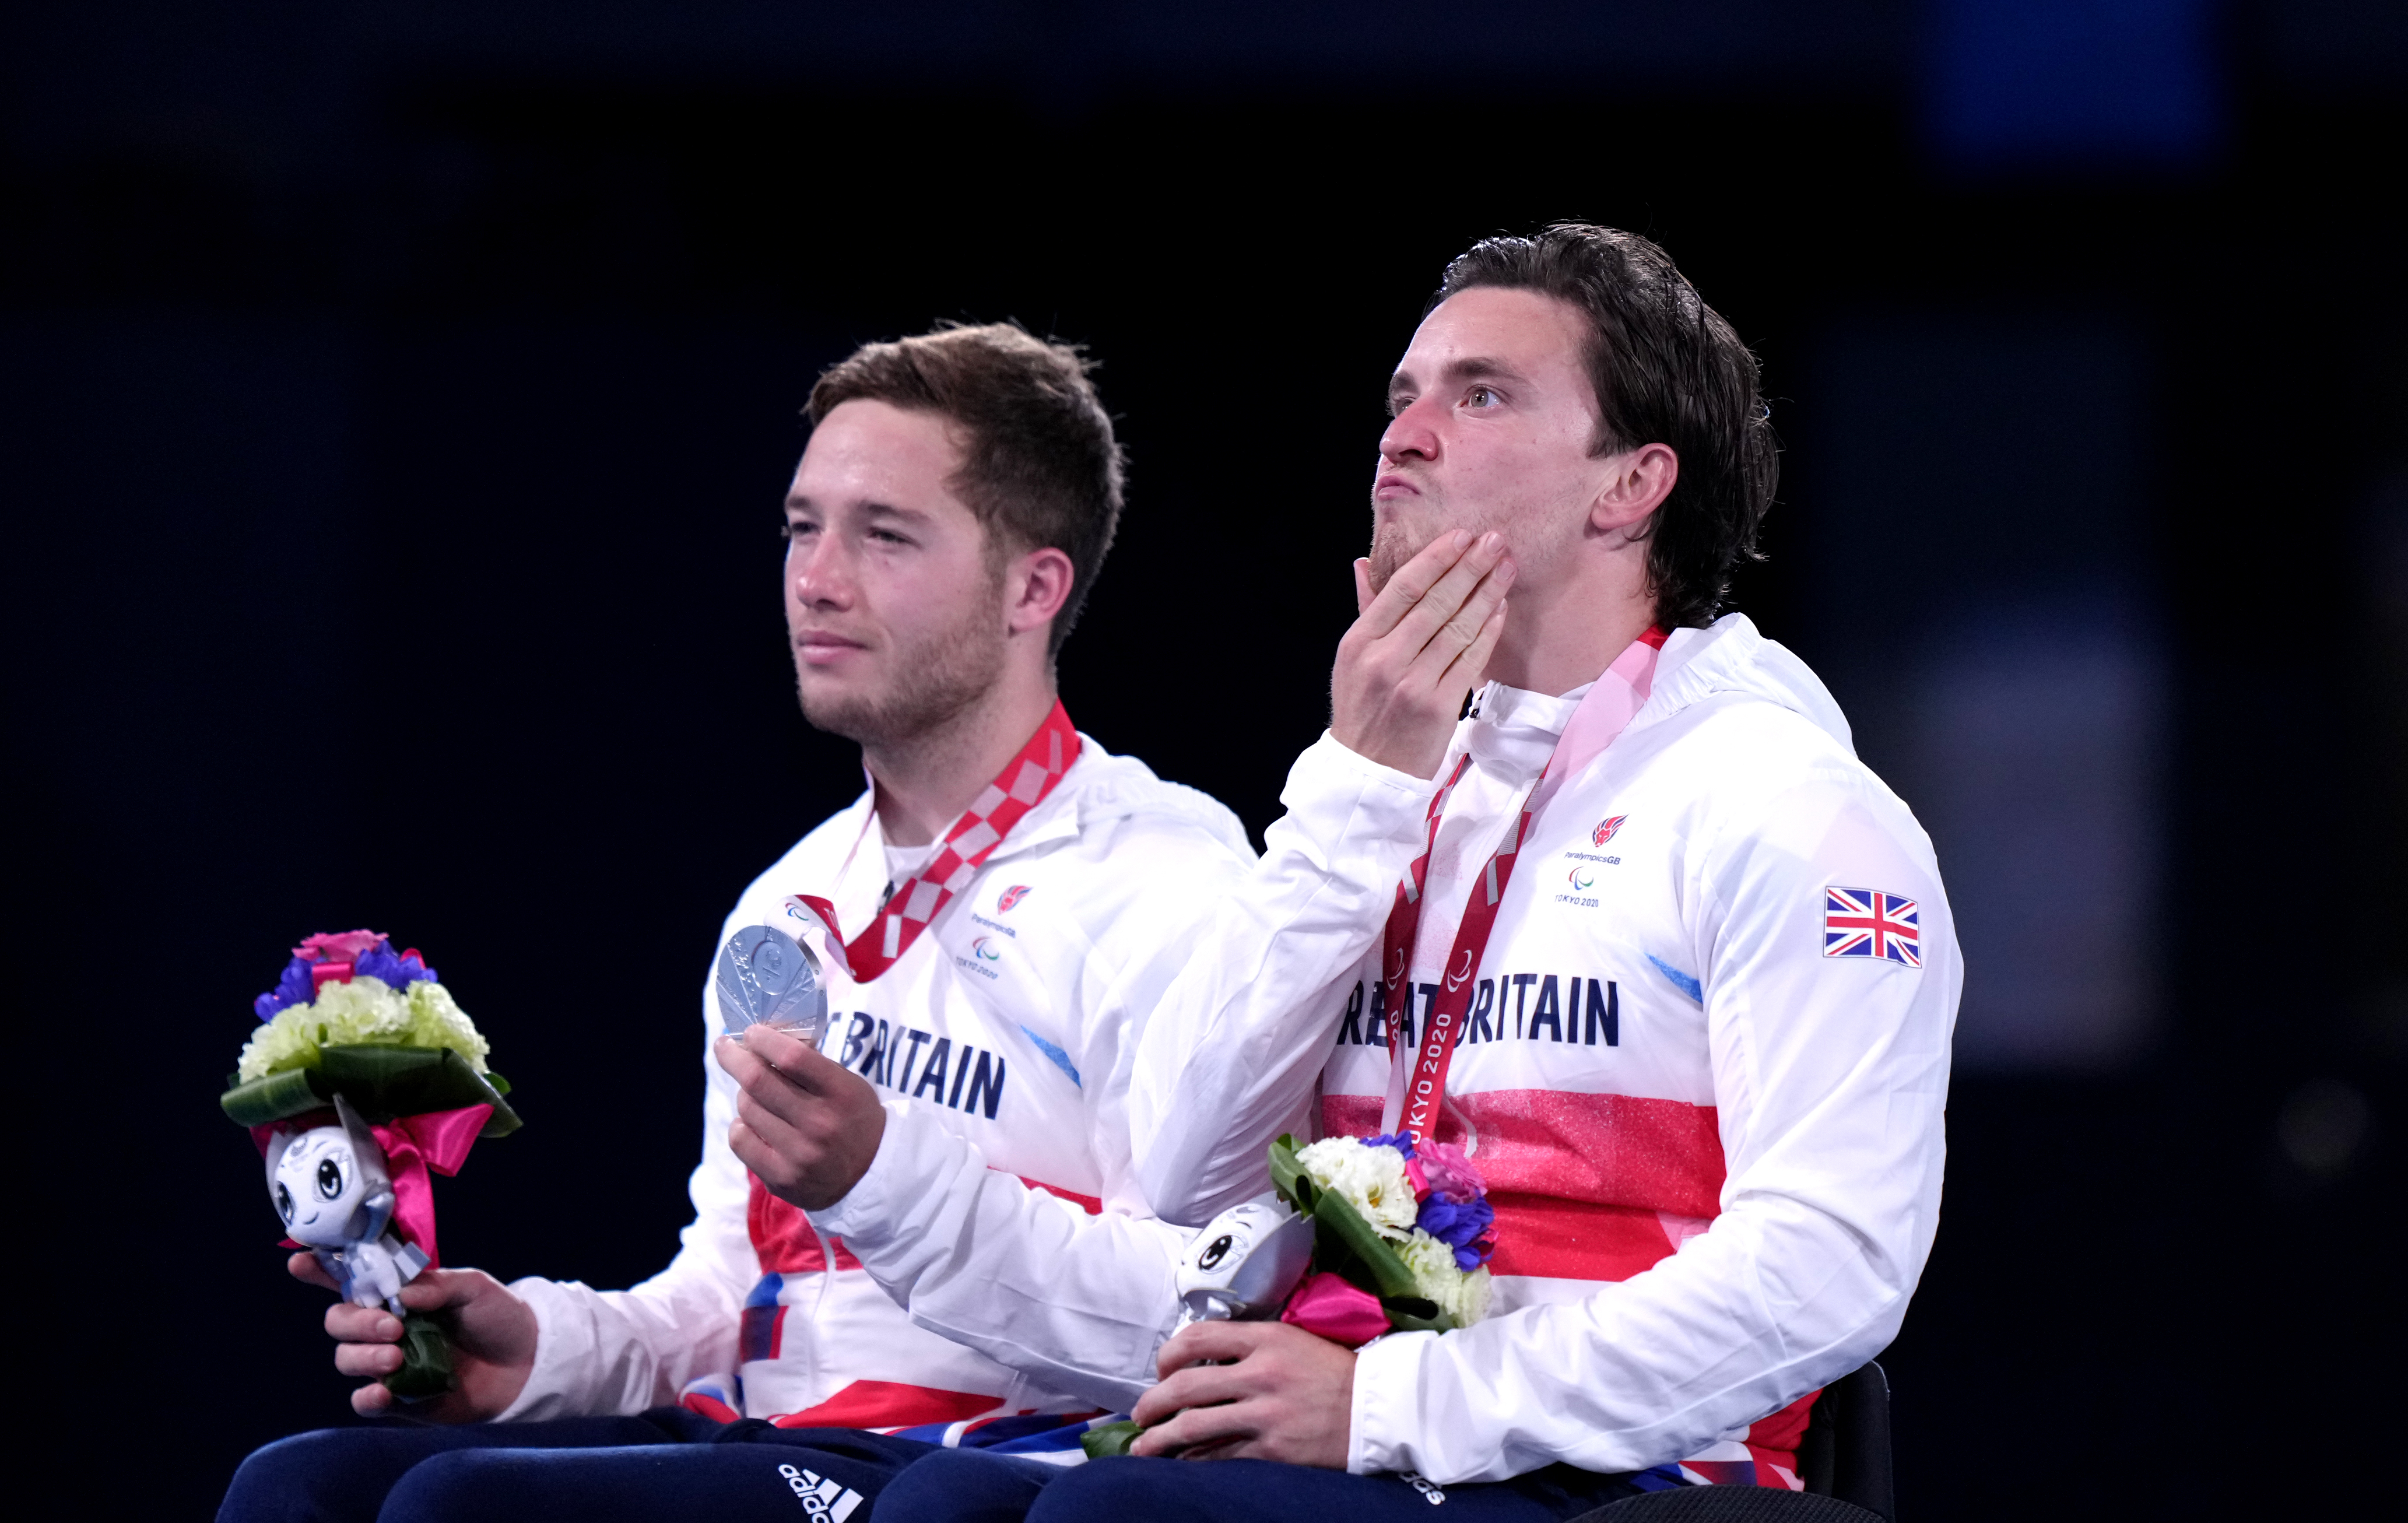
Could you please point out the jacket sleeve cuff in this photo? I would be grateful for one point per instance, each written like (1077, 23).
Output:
(1387, 1380)
(1327, 767)
(909, 1158)
(563, 1341)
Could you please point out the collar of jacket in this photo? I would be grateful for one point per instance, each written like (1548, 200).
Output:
(1083, 795)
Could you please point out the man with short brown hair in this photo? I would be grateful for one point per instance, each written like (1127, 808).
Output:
(1040, 465)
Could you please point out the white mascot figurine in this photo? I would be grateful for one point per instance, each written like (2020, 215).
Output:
(331, 1187)
(1244, 1264)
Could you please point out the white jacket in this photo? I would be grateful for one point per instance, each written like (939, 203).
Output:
(1714, 1151)
(997, 1258)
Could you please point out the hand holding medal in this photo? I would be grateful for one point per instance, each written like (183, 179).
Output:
(765, 977)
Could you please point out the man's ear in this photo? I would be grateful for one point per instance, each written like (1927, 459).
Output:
(1036, 586)
(1637, 482)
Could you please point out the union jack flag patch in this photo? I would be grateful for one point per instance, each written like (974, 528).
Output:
(1867, 922)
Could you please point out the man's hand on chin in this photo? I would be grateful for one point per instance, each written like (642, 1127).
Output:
(1420, 647)
(807, 1126)
(1289, 1396)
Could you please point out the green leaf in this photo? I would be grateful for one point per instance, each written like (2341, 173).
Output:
(382, 1081)
(425, 1360)
(272, 1098)
(1289, 1177)
(1337, 1223)
(1109, 1442)
(1415, 1313)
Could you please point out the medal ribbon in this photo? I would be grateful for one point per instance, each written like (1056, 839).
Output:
(1021, 786)
(1602, 715)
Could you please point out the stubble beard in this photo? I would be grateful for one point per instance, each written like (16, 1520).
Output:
(1390, 549)
(934, 681)
(1394, 543)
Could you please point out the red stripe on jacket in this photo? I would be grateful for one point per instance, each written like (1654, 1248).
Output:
(1602, 1150)
(783, 1238)
(1582, 1184)
(886, 1403)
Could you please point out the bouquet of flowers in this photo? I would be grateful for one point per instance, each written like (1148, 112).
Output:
(352, 1014)
(1399, 1233)
(363, 1075)
(1402, 1231)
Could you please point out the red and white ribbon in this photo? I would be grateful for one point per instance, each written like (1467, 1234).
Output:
(1021, 786)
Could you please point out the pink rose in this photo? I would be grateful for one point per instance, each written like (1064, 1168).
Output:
(1450, 1173)
(345, 947)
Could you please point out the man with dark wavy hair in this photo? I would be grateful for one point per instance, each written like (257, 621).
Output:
(1671, 394)
(1639, 935)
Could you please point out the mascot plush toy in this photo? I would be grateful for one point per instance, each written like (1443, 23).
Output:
(362, 1076)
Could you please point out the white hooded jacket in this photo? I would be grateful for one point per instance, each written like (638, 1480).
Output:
(996, 1259)
(1709, 1108)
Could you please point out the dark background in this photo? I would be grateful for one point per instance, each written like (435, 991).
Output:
(398, 401)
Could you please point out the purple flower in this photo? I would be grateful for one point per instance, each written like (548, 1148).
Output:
(397, 971)
(1401, 1140)
(294, 988)
(1458, 1224)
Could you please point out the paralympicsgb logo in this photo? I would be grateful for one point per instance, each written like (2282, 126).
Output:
(1605, 828)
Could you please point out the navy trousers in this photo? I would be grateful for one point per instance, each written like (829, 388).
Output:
(666, 1464)
(964, 1485)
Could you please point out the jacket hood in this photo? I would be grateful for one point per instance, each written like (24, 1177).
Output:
(1729, 657)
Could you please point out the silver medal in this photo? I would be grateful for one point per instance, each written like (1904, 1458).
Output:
(765, 977)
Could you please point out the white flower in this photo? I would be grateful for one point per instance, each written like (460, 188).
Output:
(436, 1021)
(1373, 1180)
(284, 1042)
(361, 1010)
(1463, 1297)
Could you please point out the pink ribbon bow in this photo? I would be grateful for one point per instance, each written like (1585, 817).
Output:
(1344, 1313)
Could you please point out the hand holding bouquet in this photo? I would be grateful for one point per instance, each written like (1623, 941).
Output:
(1400, 1233)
